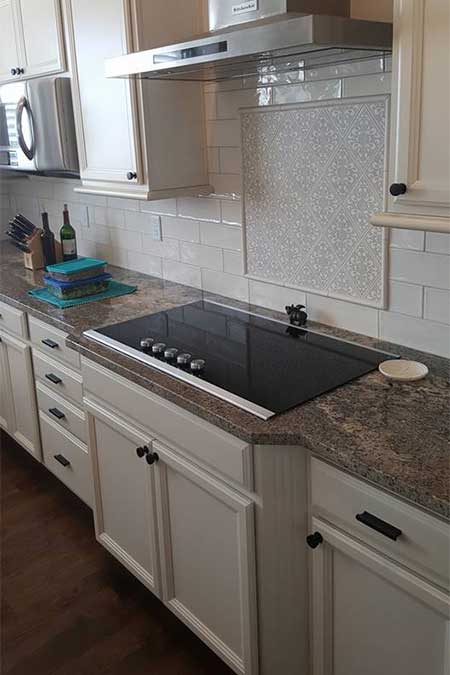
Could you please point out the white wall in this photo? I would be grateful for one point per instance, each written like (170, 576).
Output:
(202, 244)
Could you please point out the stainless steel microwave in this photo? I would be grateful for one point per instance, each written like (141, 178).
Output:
(37, 128)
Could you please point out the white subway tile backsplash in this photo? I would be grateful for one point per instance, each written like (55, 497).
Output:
(367, 85)
(437, 242)
(226, 184)
(419, 334)
(210, 105)
(223, 133)
(342, 314)
(168, 248)
(412, 239)
(406, 298)
(229, 103)
(233, 262)
(274, 297)
(125, 239)
(437, 305)
(121, 203)
(162, 207)
(232, 211)
(199, 208)
(351, 69)
(308, 91)
(141, 222)
(180, 228)
(202, 256)
(147, 264)
(428, 269)
(225, 284)
(230, 160)
(182, 273)
(213, 160)
(223, 236)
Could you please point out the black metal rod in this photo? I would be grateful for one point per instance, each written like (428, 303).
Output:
(381, 526)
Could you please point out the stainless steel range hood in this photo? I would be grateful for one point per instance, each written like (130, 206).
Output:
(253, 37)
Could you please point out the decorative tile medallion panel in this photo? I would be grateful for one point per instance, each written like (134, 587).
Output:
(313, 174)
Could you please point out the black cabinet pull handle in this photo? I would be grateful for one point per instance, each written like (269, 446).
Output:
(62, 460)
(56, 413)
(379, 525)
(398, 189)
(50, 343)
(142, 451)
(152, 457)
(314, 540)
(20, 71)
(131, 175)
(53, 378)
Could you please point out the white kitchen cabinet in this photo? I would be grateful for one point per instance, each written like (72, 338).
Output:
(207, 550)
(18, 399)
(5, 389)
(125, 517)
(420, 159)
(371, 615)
(42, 34)
(9, 43)
(32, 41)
(136, 139)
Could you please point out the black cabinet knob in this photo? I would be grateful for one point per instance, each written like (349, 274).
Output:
(20, 71)
(131, 175)
(152, 457)
(398, 189)
(13, 71)
(141, 452)
(313, 540)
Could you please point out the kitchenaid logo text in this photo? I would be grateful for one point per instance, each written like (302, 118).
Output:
(244, 7)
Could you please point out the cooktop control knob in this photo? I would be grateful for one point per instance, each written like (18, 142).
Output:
(198, 366)
(158, 349)
(146, 344)
(171, 354)
(184, 360)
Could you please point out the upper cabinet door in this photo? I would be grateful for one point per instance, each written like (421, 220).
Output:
(105, 115)
(9, 42)
(42, 35)
(420, 166)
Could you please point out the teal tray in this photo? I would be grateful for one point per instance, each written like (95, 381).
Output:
(115, 290)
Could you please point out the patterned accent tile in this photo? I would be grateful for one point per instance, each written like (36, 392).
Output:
(314, 173)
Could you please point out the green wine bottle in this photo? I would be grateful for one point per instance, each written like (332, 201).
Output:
(68, 238)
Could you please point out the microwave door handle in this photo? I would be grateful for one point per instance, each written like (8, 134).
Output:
(22, 105)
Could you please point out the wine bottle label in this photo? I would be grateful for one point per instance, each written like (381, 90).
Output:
(69, 246)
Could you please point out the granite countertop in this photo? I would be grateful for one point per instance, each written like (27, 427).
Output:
(395, 436)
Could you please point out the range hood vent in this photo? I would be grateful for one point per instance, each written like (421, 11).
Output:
(260, 38)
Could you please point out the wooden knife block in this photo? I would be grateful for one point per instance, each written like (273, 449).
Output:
(34, 260)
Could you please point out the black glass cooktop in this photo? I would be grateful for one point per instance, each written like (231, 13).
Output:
(261, 365)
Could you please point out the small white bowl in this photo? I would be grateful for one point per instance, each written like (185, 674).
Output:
(403, 371)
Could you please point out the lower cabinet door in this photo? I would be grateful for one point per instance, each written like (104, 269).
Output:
(18, 398)
(207, 551)
(124, 506)
(5, 390)
(371, 616)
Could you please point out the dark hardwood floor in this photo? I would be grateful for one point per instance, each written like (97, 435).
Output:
(68, 608)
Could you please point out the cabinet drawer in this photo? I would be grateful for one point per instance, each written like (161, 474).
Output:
(424, 542)
(52, 342)
(77, 474)
(62, 413)
(57, 378)
(166, 421)
(13, 320)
